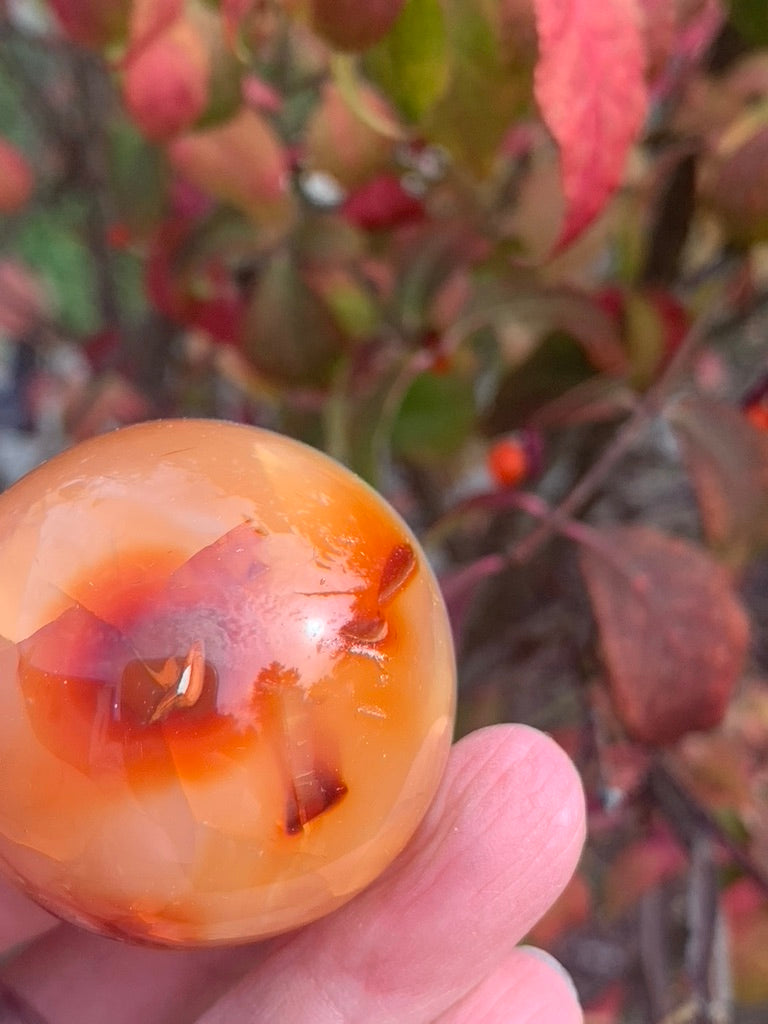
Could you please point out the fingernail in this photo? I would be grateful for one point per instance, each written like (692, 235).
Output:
(553, 964)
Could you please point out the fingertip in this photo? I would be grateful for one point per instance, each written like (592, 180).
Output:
(542, 787)
(548, 970)
(530, 986)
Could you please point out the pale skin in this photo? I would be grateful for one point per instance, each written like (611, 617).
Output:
(433, 941)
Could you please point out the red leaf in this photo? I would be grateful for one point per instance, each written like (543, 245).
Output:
(382, 203)
(201, 294)
(569, 911)
(351, 25)
(166, 83)
(15, 178)
(93, 23)
(673, 633)
(660, 23)
(640, 867)
(591, 90)
(607, 1007)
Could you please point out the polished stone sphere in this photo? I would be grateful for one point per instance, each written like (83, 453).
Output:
(226, 684)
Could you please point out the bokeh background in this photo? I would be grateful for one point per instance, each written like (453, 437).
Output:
(507, 260)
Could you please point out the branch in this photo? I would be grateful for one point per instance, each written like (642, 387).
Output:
(688, 819)
(627, 435)
(653, 952)
(702, 906)
(52, 118)
(95, 99)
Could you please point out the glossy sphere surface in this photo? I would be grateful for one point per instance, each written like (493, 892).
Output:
(227, 683)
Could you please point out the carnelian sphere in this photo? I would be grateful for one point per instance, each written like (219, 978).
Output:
(227, 687)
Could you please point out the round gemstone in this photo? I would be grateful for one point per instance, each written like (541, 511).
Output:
(227, 683)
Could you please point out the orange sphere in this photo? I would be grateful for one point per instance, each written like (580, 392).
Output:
(227, 686)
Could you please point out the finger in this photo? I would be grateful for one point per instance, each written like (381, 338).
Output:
(498, 845)
(73, 977)
(20, 918)
(530, 987)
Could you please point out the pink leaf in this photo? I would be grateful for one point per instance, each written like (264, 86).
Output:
(591, 91)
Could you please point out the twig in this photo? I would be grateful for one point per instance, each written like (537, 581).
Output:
(623, 441)
(537, 508)
(653, 958)
(91, 85)
(685, 1014)
(411, 367)
(688, 818)
(702, 904)
(721, 978)
(51, 118)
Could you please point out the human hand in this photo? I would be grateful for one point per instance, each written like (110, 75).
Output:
(433, 941)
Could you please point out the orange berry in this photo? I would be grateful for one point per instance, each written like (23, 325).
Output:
(508, 462)
(757, 415)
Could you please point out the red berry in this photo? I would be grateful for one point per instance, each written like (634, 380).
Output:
(757, 415)
(508, 462)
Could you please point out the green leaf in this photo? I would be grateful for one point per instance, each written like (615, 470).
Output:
(750, 18)
(351, 305)
(290, 335)
(410, 64)
(49, 241)
(557, 365)
(326, 239)
(488, 88)
(138, 175)
(436, 416)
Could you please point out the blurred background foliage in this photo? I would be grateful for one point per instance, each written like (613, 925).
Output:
(511, 267)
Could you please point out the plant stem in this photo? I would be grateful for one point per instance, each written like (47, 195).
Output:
(625, 438)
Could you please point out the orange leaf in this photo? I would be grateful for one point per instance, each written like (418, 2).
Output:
(346, 143)
(241, 162)
(673, 633)
(149, 18)
(590, 88)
